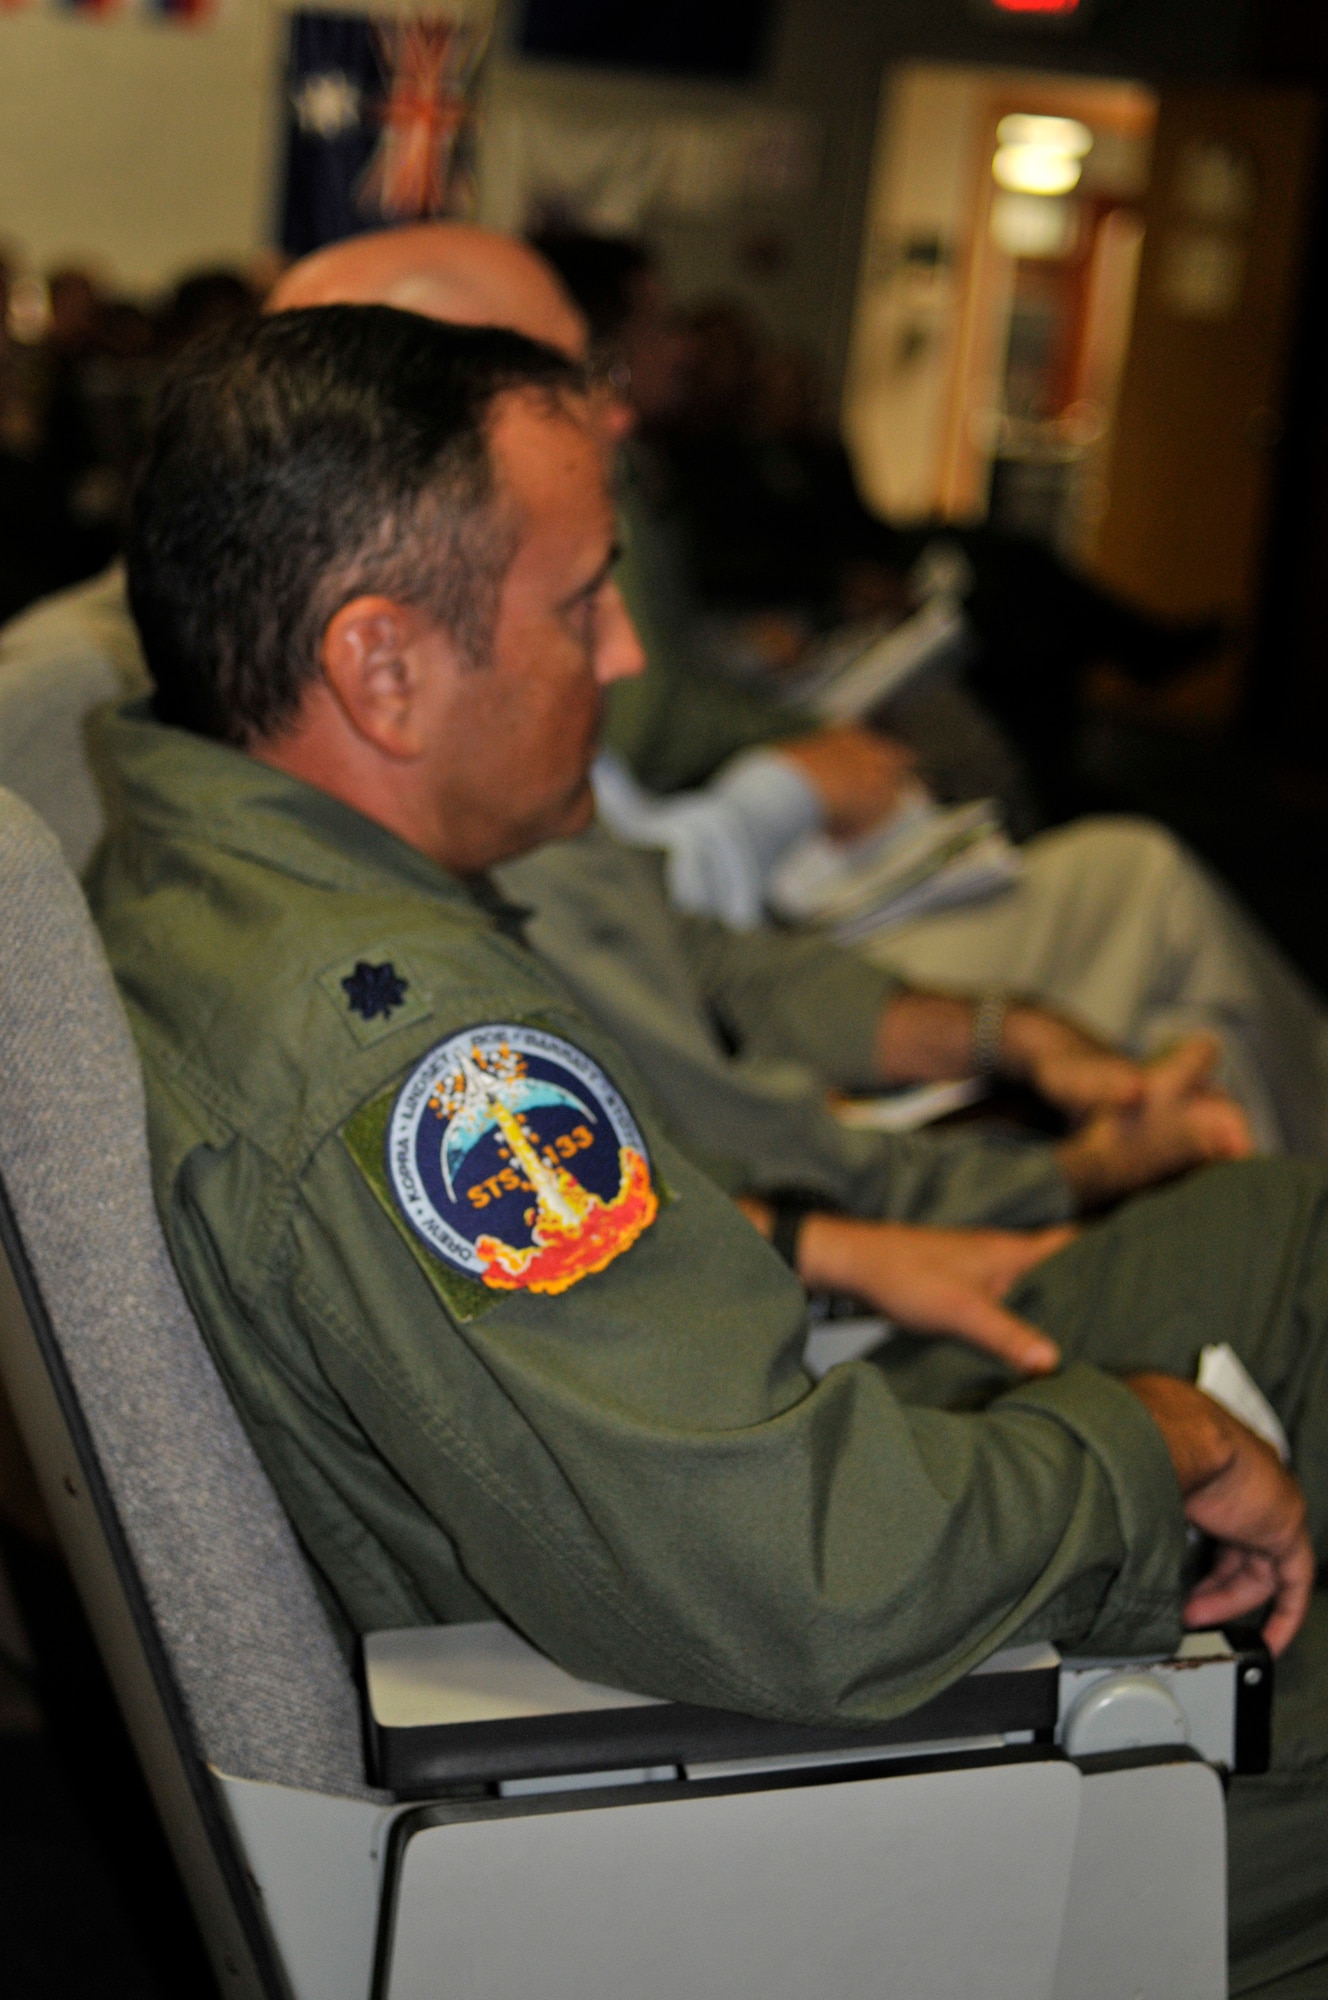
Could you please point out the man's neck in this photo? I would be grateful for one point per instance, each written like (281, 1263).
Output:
(334, 760)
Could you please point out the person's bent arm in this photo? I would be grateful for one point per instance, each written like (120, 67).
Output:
(857, 775)
(1178, 1123)
(638, 1474)
(1137, 1122)
(929, 1037)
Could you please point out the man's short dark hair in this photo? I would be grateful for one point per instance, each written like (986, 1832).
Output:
(304, 460)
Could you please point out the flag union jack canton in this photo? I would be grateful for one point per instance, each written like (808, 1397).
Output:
(378, 126)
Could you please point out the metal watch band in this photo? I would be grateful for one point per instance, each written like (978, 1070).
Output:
(988, 1033)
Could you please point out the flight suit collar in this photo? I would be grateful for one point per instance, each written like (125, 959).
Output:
(178, 784)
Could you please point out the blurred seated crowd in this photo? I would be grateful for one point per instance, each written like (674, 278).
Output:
(78, 365)
(752, 571)
(737, 464)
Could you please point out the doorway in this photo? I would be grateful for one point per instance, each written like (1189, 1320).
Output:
(1074, 309)
(997, 293)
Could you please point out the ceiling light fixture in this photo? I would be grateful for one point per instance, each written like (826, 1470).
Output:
(1039, 155)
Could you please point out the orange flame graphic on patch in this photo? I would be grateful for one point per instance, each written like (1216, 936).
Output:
(561, 1253)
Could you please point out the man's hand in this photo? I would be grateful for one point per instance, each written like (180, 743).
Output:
(1176, 1122)
(1237, 1490)
(940, 1281)
(1069, 1067)
(928, 1037)
(857, 775)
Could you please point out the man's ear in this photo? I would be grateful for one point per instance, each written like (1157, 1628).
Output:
(378, 671)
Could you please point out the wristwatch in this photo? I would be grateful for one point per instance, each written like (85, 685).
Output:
(790, 1208)
(989, 1018)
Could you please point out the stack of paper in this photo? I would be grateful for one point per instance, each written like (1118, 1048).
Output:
(858, 670)
(926, 858)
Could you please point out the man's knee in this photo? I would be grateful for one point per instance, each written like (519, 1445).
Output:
(1127, 848)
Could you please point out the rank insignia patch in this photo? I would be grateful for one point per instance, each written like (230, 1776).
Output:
(375, 993)
(512, 1156)
(374, 989)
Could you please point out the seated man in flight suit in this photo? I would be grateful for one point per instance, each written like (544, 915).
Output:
(501, 1345)
(1113, 922)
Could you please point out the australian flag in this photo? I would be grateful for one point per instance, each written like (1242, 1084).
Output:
(334, 81)
(377, 123)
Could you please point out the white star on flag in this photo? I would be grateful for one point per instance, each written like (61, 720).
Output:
(327, 104)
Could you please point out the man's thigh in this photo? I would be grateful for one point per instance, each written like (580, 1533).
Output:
(1235, 1253)
(1240, 1254)
(1081, 930)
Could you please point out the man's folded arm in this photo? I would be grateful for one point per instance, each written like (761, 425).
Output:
(639, 1476)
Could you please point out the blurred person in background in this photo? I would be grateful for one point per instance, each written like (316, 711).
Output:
(74, 395)
(735, 596)
(71, 446)
(756, 497)
(205, 302)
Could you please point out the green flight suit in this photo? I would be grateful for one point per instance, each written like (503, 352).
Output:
(636, 1471)
(740, 1035)
(676, 723)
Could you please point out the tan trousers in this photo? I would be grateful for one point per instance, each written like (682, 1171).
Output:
(1116, 924)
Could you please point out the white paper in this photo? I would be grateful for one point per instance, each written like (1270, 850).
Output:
(1223, 1376)
(926, 857)
(885, 667)
(837, 1340)
(909, 1110)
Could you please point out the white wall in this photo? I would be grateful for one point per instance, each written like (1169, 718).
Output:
(142, 146)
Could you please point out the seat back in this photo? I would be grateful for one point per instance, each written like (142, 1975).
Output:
(186, 1562)
(59, 661)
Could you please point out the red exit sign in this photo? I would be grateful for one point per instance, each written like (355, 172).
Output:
(1036, 13)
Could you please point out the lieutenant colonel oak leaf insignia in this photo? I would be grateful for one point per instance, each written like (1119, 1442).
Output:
(511, 1156)
(374, 989)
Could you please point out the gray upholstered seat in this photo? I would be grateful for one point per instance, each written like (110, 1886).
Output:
(59, 661)
(265, 1687)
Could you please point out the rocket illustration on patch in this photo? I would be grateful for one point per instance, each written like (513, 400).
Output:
(512, 1155)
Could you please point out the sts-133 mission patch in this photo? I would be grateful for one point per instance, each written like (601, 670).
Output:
(512, 1157)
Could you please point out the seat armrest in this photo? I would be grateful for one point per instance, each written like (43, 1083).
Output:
(1214, 1694)
(458, 1705)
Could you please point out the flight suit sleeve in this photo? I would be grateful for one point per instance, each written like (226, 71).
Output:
(783, 994)
(639, 1475)
(801, 1015)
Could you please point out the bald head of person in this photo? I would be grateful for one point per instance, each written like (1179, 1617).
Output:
(444, 270)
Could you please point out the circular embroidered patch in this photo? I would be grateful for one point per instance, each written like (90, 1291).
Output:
(513, 1157)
